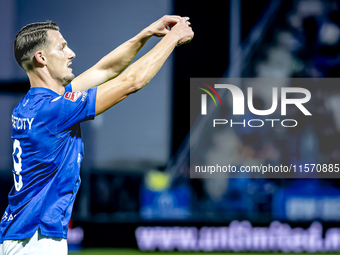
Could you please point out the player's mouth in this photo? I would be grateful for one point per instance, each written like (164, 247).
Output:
(70, 63)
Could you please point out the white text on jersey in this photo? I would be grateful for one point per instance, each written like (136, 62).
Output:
(22, 123)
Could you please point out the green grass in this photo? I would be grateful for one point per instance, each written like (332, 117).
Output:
(104, 251)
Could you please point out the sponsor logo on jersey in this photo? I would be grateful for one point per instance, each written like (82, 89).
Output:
(73, 96)
(84, 95)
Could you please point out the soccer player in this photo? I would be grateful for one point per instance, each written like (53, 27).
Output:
(47, 145)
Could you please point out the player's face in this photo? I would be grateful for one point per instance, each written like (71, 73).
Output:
(58, 58)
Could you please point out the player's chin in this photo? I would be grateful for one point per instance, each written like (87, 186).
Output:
(68, 79)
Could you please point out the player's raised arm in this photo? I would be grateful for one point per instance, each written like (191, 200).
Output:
(136, 76)
(116, 61)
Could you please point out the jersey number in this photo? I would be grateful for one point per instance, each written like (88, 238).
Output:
(17, 165)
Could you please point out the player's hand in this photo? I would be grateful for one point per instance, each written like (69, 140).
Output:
(162, 26)
(183, 30)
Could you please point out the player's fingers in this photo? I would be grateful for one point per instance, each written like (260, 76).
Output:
(172, 16)
(186, 21)
(175, 19)
(172, 19)
(175, 16)
(183, 22)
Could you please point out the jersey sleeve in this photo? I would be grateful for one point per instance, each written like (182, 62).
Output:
(61, 113)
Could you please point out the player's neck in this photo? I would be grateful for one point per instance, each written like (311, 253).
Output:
(43, 79)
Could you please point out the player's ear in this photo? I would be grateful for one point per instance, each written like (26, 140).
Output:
(39, 59)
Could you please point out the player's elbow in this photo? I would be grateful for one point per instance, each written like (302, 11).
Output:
(135, 80)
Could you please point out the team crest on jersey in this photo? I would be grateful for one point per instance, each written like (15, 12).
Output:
(73, 96)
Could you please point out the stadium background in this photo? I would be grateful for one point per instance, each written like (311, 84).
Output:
(135, 171)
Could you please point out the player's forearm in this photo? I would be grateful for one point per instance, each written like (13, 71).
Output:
(143, 70)
(135, 76)
(112, 64)
(118, 59)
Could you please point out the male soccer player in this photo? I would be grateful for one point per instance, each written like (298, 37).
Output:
(47, 146)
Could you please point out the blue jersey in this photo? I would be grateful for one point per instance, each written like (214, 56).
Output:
(47, 152)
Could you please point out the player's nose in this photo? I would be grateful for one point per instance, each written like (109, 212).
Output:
(72, 54)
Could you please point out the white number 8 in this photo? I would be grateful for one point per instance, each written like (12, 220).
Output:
(17, 166)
